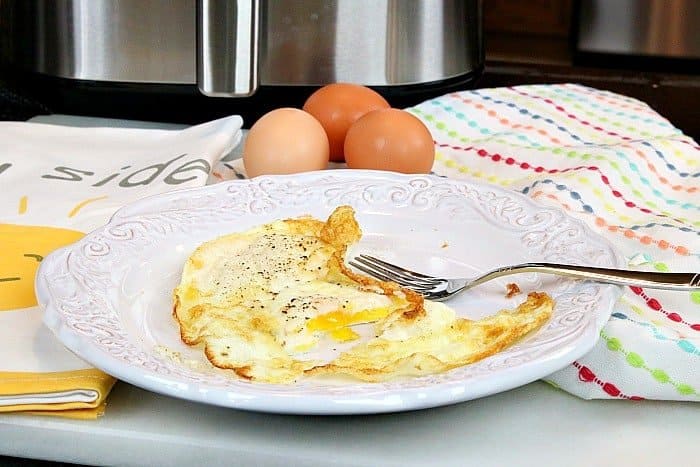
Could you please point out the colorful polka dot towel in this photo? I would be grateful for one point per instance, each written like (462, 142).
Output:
(614, 163)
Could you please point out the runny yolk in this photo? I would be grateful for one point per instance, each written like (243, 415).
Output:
(336, 322)
(343, 335)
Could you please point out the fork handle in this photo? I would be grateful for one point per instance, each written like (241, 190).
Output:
(657, 280)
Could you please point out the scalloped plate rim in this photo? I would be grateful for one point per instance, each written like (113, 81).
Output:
(411, 398)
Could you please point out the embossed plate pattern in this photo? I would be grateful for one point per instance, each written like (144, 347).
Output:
(108, 297)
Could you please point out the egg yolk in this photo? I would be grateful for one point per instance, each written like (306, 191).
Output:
(336, 322)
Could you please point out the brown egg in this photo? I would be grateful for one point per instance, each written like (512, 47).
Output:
(339, 105)
(390, 139)
(285, 141)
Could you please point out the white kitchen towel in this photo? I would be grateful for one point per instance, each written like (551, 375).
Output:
(630, 175)
(58, 183)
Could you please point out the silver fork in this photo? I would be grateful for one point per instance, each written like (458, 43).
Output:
(438, 289)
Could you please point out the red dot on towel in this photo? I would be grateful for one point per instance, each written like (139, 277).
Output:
(654, 304)
(585, 374)
(695, 327)
(611, 389)
(675, 317)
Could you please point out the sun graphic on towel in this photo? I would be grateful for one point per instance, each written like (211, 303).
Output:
(22, 247)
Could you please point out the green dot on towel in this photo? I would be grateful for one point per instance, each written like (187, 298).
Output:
(614, 344)
(660, 376)
(695, 297)
(635, 360)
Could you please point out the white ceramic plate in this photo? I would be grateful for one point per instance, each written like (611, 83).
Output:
(108, 297)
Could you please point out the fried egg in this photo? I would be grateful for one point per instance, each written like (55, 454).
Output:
(262, 302)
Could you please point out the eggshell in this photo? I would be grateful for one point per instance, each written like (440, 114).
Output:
(339, 105)
(285, 141)
(390, 139)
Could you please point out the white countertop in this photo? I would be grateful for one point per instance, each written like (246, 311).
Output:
(535, 425)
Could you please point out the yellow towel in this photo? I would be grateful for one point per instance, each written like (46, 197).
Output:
(74, 394)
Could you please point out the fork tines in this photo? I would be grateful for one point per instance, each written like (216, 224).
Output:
(382, 270)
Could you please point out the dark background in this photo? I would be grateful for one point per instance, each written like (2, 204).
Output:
(526, 41)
